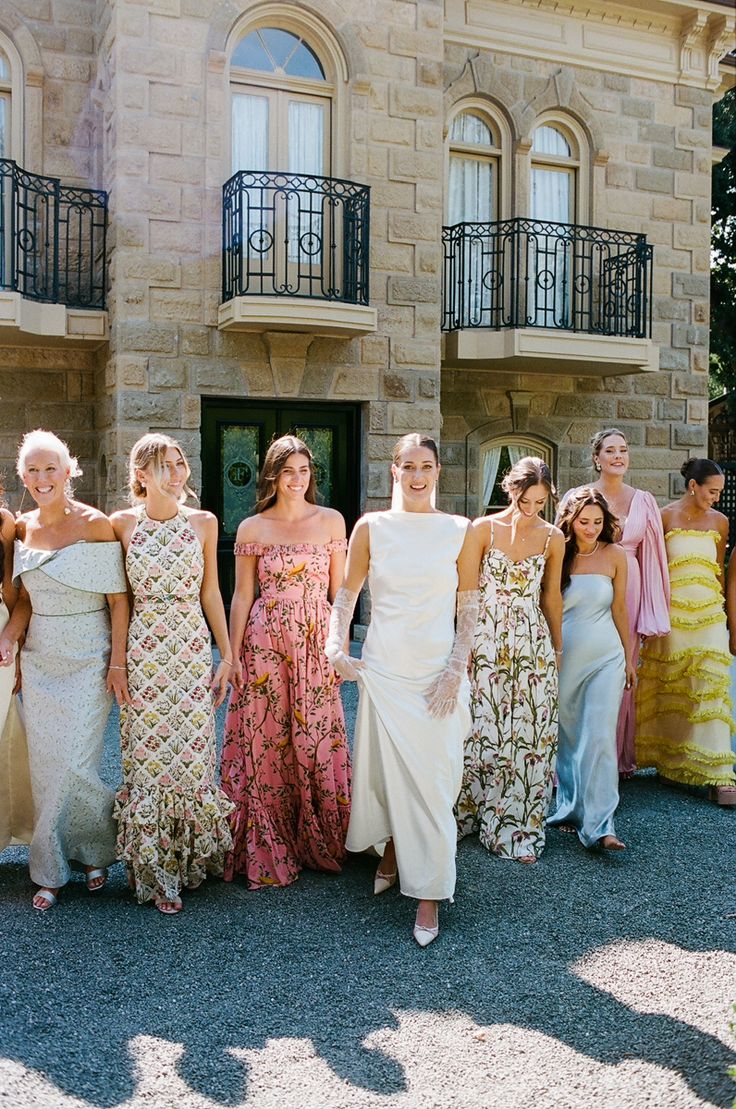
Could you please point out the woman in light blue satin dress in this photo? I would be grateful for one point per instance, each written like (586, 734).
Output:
(596, 667)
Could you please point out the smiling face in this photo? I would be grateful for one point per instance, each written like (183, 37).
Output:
(708, 494)
(170, 476)
(44, 477)
(416, 472)
(588, 525)
(532, 501)
(293, 480)
(613, 456)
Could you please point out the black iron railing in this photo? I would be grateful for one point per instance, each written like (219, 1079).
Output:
(286, 234)
(529, 273)
(52, 239)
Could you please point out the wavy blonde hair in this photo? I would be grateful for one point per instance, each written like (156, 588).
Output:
(149, 454)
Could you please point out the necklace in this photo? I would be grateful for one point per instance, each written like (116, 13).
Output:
(587, 554)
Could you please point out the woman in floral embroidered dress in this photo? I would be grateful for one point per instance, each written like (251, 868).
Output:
(173, 825)
(285, 760)
(509, 756)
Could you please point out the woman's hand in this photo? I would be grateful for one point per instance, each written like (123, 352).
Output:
(441, 696)
(630, 675)
(236, 674)
(7, 651)
(117, 684)
(220, 682)
(731, 642)
(18, 675)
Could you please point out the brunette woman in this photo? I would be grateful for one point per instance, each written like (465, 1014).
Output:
(596, 668)
(509, 757)
(285, 760)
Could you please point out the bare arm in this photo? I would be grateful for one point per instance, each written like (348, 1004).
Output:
(550, 600)
(359, 556)
(721, 548)
(619, 612)
(117, 676)
(10, 593)
(205, 524)
(337, 559)
(242, 603)
(731, 602)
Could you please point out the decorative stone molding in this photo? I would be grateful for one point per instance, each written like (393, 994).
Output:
(296, 314)
(32, 322)
(544, 351)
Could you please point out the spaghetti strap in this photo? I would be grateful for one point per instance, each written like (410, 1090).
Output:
(546, 544)
(491, 531)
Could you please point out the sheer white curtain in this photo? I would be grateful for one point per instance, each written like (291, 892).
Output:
(471, 201)
(491, 459)
(306, 123)
(550, 256)
(517, 453)
(250, 152)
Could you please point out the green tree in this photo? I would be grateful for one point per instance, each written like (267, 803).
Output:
(723, 249)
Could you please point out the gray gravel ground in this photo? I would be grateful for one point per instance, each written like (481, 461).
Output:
(586, 980)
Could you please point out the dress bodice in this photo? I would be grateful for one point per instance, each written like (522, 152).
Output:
(691, 551)
(71, 580)
(588, 598)
(512, 583)
(293, 571)
(165, 561)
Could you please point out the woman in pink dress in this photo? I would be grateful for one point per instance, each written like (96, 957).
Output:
(648, 583)
(285, 759)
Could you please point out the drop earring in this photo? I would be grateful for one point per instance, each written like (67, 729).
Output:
(692, 492)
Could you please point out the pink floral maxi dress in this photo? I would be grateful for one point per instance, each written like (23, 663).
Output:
(173, 826)
(285, 760)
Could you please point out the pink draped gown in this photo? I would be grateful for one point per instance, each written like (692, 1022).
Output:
(647, 601)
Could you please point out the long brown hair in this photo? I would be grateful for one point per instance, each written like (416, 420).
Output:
(277, 455)
(571, 509)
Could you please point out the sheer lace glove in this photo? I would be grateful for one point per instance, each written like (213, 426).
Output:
(340, 617)
(441, 696)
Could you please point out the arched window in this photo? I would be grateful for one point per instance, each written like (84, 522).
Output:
(555, 163)
(281, 104)
(473, 193)
(497, 456)
(6, 89)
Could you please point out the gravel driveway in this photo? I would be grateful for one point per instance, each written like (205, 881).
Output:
(585, 980)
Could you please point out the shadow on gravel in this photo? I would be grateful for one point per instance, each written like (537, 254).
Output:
(326, 961)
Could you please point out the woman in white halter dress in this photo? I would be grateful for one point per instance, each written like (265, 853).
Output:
(414, 709)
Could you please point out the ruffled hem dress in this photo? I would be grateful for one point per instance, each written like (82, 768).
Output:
(66, 704)
(173, 819)
(683, 702)
(285, 759)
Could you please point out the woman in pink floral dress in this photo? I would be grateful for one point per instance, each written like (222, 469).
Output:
(285, 760)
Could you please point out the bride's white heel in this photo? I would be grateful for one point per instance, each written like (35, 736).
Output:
(383, 882)
(423, 935)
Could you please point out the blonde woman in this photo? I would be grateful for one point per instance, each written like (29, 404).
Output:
(172, 818)
(69, 566)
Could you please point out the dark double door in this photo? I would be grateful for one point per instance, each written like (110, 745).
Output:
(235, 437)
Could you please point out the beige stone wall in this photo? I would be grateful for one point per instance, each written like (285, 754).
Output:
(652, 142)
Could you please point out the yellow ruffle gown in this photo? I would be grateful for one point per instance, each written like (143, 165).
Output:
(683, 703)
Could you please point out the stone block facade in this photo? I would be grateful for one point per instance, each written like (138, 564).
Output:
(136, 99)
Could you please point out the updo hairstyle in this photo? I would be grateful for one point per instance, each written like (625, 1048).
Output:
(699, 470)
(149, 453)
(414, 439)
(524, 474)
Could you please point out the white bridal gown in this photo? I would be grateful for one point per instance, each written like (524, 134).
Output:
(407, 765)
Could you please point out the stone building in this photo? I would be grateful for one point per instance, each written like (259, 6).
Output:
(488, 220)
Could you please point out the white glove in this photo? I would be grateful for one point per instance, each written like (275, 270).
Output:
(441, 696)
(340, 617)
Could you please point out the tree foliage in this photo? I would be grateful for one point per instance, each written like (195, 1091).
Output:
(723, 248)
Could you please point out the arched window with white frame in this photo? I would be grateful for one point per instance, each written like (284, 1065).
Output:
(497, 456)
(555, 165)
(473, 187)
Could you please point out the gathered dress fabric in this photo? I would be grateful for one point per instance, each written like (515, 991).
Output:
(683, 698)
(509, 761)
(173, 827)
(407, 765)
(16, 799)
(285, 759)
(647, 603)
(592, 678)
(66, 705)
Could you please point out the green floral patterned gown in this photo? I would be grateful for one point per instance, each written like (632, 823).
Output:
(509, 758)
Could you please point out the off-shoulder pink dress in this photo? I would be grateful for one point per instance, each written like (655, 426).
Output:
(285, 759)
(647, 601)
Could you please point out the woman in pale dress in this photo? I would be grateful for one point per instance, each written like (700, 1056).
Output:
(510, 753)
(69, 564)
(648, 585)
(285, 759)
(16, 801)
(596, 667)
(684, 711)
(414, 712)
(173, 820)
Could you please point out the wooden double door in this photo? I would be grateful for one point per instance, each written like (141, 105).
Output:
(235, 437)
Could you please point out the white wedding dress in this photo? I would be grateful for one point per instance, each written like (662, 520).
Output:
(407, 765)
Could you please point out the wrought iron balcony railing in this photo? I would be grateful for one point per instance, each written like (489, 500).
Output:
(529, 273)
(291, 235)
(52, 239)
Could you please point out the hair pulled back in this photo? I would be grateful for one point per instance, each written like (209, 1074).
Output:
(277, 455)
(572, 508)
(41, 440)
(524, 474)
(149, 453)
(700, 469)
(597, 441)
(414, 439)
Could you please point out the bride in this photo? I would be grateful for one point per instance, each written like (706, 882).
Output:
(413, 714)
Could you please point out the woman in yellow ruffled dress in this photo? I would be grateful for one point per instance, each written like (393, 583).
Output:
(683, 700)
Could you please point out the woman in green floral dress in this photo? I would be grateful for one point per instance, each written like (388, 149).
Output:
(509, 756)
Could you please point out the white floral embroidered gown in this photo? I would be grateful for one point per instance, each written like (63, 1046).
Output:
(173, 820)
(509, 758)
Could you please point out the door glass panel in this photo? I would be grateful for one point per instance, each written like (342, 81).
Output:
(4, 126)
(306, 137)
(551, 195)
(240, 462)
(250, 132)
(320, 441)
